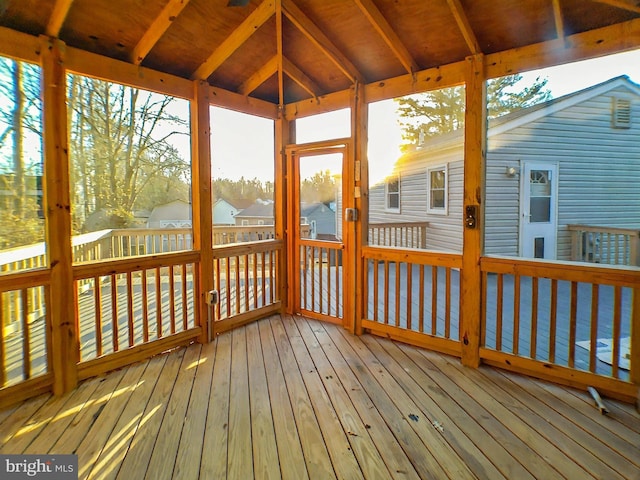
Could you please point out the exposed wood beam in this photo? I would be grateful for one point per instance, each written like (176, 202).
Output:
(240, 35)
(258, 78)
(59, 14)
(580, 46)
(320, 40)
(20, 46)
(379, 22)
(299, 77)
(160, 25)
(279, 52)
(557, 16)
(105, 68)
(632, 7)
(465, 27)
(242, 103)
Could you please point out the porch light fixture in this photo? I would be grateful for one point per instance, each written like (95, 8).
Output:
(511, 171)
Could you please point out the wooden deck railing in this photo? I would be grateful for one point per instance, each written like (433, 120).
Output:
(245, 275)
(570, 323)
(403, 234)
(413, 296)
(609, 246)
(132, 303)
(321, 283)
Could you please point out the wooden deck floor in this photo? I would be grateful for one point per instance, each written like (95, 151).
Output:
(288, 397)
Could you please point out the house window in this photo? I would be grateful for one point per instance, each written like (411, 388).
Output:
(245, 223)
(621, 113)
(392, 194)
(437, 190)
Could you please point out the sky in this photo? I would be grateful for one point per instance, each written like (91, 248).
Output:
(243, 145)
(238, 149)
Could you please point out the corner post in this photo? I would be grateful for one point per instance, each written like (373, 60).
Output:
(284, 134)
(474, 156)
(61, 315)
(359, 135)
(202, 210)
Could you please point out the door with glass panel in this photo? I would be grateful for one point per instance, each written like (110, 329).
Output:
(538, 220)
(316, 219)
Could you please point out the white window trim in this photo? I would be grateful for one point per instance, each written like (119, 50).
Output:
(386, 194)
(438, 211)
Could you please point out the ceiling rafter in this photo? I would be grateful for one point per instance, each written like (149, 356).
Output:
(300, 77)
(388, 34)
(320, 40)
(465, 27)
(160, 25)
(58, 16)
(632, 7)
(559, 19)
(259, 77)
(240, 35)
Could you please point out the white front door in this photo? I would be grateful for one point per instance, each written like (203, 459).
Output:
(538, 210)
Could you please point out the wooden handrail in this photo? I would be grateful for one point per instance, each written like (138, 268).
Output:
(605, 245)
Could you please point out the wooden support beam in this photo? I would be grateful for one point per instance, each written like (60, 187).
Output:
(390, 37)
(359, 137)
(160, 25)
(105, 68)
(284, 134)
(559, 19)
(202, 201)
(465, 27)
(580, 46)
(634, 354)
(474, 152)
(61, 309)
(258, 78)
(240, 35)
(19, 46)
(632, 6)
(242, 103)
(320, 40)
(58, 16)
(280, 53)
(299, 77)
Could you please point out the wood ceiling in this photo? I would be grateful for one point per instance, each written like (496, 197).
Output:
(284, 51)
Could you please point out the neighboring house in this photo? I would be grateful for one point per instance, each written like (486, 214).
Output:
(571, 160)
(321, 220)
(224, 211)
(260, 213)
(176, 214)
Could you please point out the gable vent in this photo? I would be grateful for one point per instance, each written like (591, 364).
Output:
(621, 117)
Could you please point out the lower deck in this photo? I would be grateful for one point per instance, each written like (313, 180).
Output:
(289, 397)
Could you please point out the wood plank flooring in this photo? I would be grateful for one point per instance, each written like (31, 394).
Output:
(293, 398)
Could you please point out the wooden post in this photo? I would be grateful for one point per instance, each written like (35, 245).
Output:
(635, 345)
(284, 134)
(474, 152)
(61, 310)
(359, 136)
(202, 212)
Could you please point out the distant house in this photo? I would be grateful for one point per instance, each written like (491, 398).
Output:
(571, 160)
(176, 214)
(321, 220)
(225, 211)
(260, 213)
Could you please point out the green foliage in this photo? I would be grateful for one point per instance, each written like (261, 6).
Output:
(20, 229)
(242, 189)
(319, 188)
(441, 111)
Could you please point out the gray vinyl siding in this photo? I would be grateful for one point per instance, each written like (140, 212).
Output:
(598, 175)
(444, 232)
